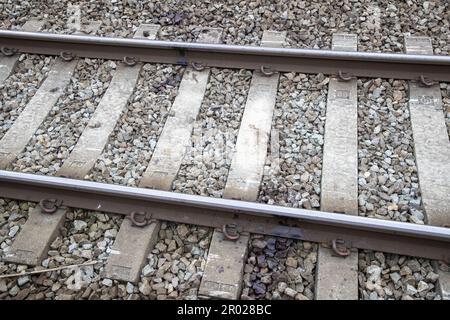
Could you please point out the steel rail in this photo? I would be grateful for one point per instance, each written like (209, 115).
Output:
(357, 232)
(361, 64)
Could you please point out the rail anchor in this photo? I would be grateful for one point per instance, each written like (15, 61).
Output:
(426, 82)
(8, 51)
(49, 205)
(140, 218)
(341, 251)
(230, 231)
(267, 71)
(129, 61)
(198, 66)
(344, 76)
(66, 56)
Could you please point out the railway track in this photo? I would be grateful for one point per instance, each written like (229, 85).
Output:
(235, 256)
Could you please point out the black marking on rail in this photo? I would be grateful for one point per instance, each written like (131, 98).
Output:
(182, 60)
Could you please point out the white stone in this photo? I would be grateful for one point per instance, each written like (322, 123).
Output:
(107, 282)
(23, 280)
(13, 231)
(290, 292)
(422, 286)
(79, 225)
(130, 288)
(410, 290)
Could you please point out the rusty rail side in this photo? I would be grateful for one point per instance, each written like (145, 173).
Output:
(346, 64)
(358, 232)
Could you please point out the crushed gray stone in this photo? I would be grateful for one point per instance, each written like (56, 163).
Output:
(205, 166)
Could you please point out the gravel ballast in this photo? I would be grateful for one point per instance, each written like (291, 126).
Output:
(85, 237)
(388, 188)
(175, 266)
(173, 270)
(13, 214)
(20, 87)
(388, 185)
(131, 145)
(275, 268)
(58, 134)
(206, 163)
(279, 268)
(299, 120)
(391, 276)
